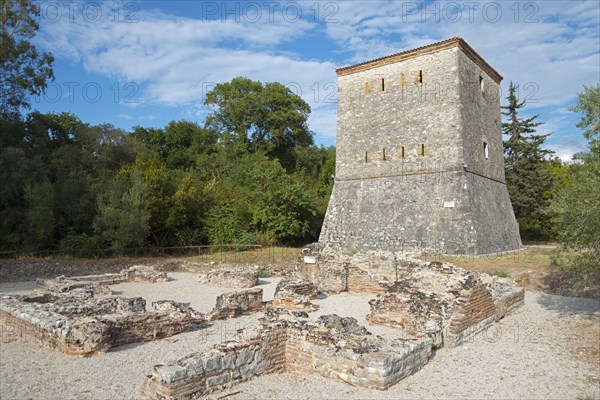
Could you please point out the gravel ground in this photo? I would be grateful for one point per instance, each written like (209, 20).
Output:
(541, 351)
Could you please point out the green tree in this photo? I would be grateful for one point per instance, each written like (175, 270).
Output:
(262, 117)
(529, 180)
(589, 106)
(282, 205)
(577, 206)
(123, 212)
(25, 71)
(39, 218)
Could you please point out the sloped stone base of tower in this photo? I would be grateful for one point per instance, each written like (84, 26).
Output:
(450, 212)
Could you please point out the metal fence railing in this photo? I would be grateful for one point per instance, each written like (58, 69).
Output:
(219, 253)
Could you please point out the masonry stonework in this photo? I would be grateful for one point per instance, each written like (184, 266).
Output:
(419, 159)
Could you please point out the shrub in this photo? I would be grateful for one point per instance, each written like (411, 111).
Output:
(499, 273)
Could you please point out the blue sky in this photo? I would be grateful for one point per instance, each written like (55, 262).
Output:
(149, 62)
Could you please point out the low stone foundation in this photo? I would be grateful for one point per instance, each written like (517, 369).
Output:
(79, 324)
(230, 276)
(295, 292)
(226, 365)
(436, 300)
(99, 283)
(446, 303)
(331, 346)
(237, 303)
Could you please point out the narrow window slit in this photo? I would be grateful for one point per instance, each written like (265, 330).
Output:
(481, 85)
(383, 84)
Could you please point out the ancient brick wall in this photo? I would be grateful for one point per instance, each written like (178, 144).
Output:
(226, 365)
(476, 311)
(305, 346)
(377, 371)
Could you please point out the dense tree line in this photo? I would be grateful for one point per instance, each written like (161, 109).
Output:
(75, 186)
(250, 174)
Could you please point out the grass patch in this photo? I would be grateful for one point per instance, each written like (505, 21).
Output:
(351, 251)
(263, 273)
(257, 255)
(499, 273)
(531, 258)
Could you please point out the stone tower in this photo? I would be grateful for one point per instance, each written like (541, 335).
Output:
(419, 155)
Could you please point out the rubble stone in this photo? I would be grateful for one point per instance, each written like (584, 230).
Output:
(237, 303)
(142, 273)
(296, 292)
(446, 303)
(99, 283)
(79, 324)
(230, 276)
(425, 299)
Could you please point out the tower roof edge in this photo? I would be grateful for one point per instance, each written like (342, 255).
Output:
(419, 51)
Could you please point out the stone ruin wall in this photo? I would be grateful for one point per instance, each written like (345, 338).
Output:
(471, 301)
(67, 315)
(99, 283)
(233, 304)
(226, 365)
(435, 305)
(308, 353)
(295, 292)
(87, 326)
(230, 276)
(289, 345)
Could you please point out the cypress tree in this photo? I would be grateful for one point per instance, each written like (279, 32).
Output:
(529, 179)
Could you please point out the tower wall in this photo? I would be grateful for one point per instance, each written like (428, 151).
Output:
(495, 228)
(412, 169)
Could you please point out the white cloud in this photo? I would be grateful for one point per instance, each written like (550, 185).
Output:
(567, 148)
(178, 59)
(556, 54)
(129, 117)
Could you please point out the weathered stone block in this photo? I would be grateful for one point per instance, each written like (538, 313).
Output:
(237, 303)
(216, 381)
(295, 292)
(213, 362)
(229, 361)
(230, 276)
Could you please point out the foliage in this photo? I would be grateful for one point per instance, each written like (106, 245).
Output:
(263, 273)
(577, 206)
(261, 117)
(124, 212)
(24, 70)
(589, 105)
(499, 273)
(530, 177)
(80, 245)
(77, 187)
